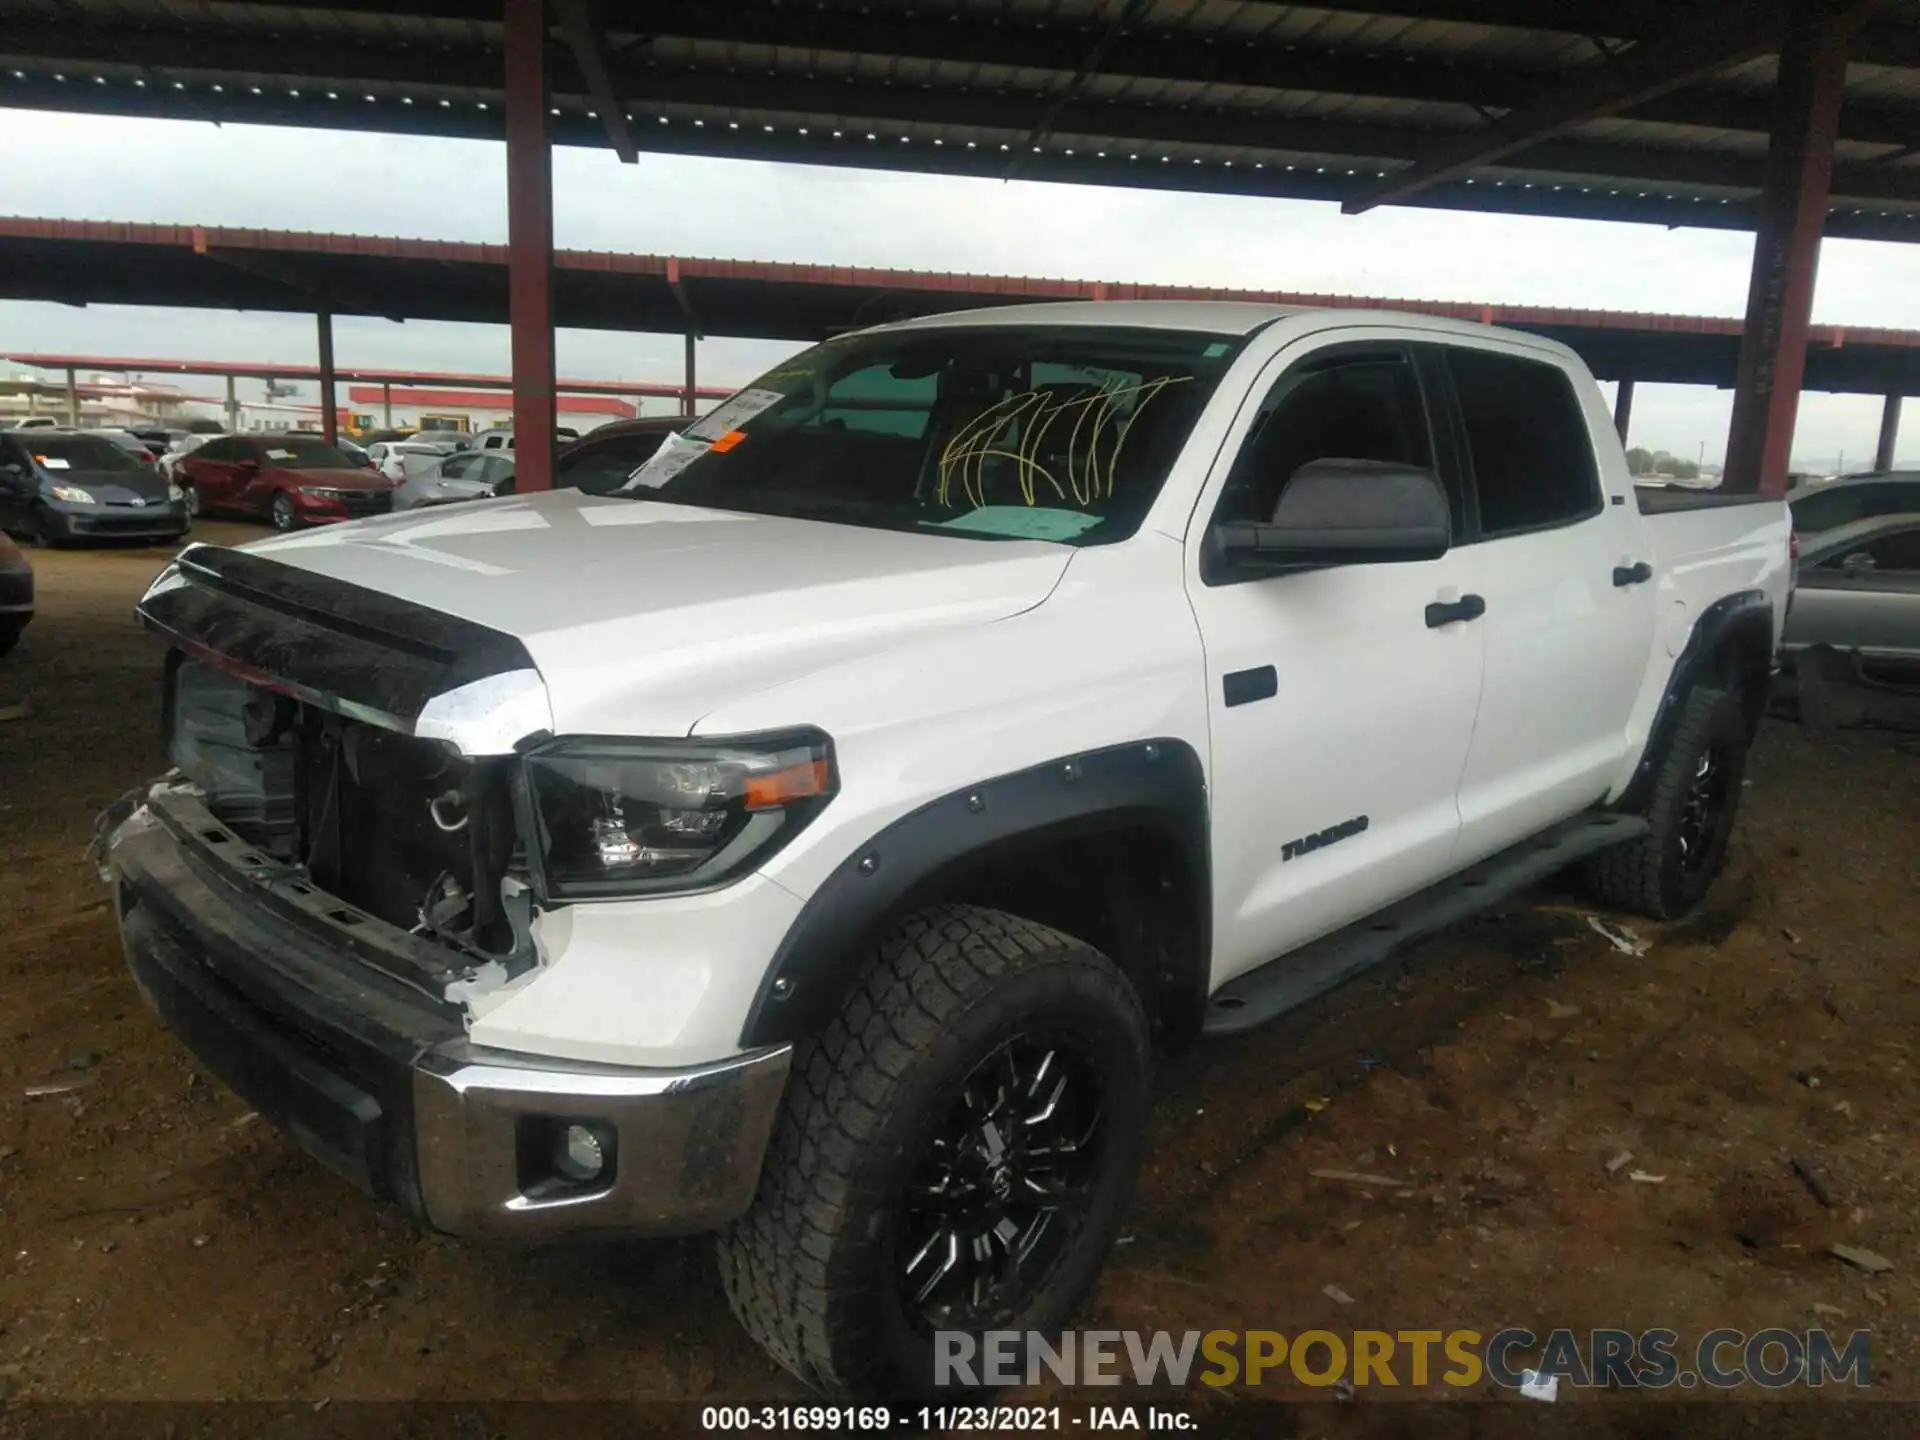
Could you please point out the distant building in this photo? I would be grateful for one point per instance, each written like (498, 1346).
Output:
(405, 407)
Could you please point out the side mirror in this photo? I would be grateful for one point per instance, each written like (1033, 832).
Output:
(1345, 512)
(247, 464)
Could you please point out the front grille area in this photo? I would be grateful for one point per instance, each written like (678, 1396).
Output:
(398, 827)
(365, 502)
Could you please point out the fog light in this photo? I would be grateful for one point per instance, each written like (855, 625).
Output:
(579, 1155)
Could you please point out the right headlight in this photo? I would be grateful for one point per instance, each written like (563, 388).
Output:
(637, 817)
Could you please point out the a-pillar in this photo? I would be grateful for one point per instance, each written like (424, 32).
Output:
(1786, 246)
(73, 400)
(530, 243)
(329, 417)
(1623, 410)
(1889, 433)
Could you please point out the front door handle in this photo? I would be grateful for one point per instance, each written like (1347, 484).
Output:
(1467, 607)
(1637, 573)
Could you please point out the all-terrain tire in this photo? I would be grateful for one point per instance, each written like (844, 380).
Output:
(1665, 873)
(812, 1270)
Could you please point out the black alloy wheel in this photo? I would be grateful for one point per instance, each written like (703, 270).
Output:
(1704, 811)
(1002, 1186)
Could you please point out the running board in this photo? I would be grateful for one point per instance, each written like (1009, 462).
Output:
(1295, 978)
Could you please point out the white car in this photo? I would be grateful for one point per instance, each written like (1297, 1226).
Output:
(410, 458)
(809, 841)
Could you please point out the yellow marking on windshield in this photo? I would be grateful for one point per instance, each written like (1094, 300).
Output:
(997, 433)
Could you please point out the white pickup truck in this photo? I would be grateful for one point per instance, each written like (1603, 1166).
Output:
(811, 842)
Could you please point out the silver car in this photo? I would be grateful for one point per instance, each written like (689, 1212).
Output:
(1859, 591)
(466, 475)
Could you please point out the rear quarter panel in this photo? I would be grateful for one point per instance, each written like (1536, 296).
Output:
(1700, 557)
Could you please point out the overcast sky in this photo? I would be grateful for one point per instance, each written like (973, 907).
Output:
(103, 168)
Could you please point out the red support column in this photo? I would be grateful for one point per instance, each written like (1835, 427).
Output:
(329, 416)
(689, 397)
(530, 243)
(1786, 246)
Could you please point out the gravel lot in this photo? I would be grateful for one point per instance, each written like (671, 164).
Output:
(158, 1242)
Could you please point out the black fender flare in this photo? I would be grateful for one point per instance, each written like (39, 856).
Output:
(1160, 782)
(1742, 621)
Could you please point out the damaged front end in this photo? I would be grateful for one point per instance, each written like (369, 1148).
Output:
(337, 870)
(358, 751)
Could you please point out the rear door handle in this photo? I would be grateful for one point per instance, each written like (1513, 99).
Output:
(1637, 573)
(1467, 607)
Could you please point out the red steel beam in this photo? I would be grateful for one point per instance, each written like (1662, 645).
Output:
(1786, 245)
(529, 242)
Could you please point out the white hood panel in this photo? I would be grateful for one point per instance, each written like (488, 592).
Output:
(642, 616)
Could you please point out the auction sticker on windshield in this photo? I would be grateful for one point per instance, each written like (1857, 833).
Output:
(668, 461)
(732, 415)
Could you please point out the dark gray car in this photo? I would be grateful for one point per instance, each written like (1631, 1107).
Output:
(1859, 591)
(59, 487)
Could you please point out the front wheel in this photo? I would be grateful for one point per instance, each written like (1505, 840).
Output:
(284, 516)
(190, 500)
(1696, 795)
(955, 1153)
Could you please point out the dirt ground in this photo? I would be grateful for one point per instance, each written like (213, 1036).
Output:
(157, 1242)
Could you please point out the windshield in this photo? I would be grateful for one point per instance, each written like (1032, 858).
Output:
(1016, 431)
(78, 452)
(296, 452)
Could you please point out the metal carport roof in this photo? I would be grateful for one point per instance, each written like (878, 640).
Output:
(1619, 109)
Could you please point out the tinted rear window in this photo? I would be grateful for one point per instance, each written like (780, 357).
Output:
(1532, 456)
(78, 452)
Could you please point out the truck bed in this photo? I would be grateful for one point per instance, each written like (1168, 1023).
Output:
(1666, 499)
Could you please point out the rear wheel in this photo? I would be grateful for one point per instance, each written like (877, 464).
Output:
(284, 516)
(955, 1153)
(1696, 795)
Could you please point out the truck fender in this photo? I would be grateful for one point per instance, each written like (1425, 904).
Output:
(1731, 645)
(1158, 783)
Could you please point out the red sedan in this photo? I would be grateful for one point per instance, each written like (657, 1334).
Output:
(291, 480)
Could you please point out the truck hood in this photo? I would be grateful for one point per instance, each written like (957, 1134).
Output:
(643, 616)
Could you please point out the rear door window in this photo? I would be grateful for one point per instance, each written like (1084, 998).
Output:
(1529, 451)
(1897, 553)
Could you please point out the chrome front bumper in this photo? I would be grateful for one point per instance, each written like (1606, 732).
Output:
(686, 1157)
(375, 1077)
